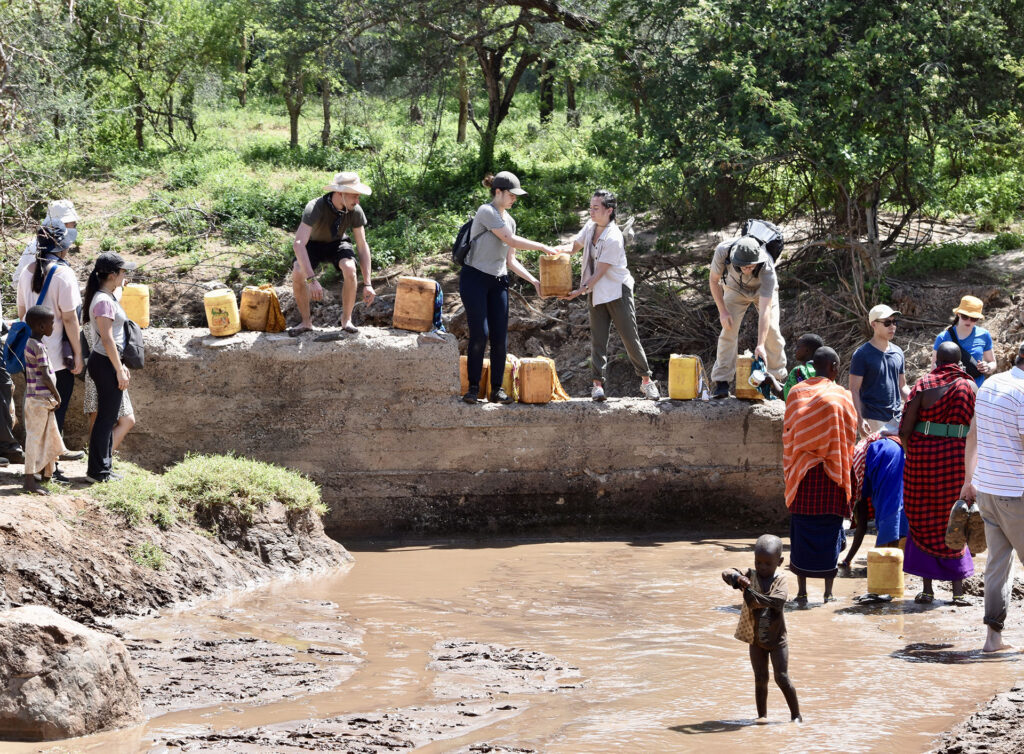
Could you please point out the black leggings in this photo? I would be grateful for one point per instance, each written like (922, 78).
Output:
(65, 387)
(780, 663)
(486, 300)
(108, 405)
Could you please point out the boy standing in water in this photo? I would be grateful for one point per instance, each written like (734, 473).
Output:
(763, 624)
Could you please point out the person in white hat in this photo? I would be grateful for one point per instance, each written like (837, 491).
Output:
(743, 273)
(59, 210)
(329, 226)
(877, 377)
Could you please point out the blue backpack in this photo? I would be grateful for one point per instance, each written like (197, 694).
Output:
(20, 332)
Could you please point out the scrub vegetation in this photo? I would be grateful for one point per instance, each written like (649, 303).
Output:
(200, 484)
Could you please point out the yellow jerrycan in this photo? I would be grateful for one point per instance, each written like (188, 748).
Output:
(683, 377)
(255, 308)
(135, 302)
(885, 571)
(743, 387)
(555, 275)
(222, 312)
(536, 380)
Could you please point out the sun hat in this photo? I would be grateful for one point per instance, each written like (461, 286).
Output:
(348, 183)
(63, 210)
(111, 261)
(970, 306)
(54, 237)
(507, 182)
(882, 311)
(745, 251)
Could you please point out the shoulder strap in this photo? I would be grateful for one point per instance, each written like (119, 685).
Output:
(46, 284)
(969, 362)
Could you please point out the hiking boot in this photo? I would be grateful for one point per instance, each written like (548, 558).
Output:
(500, 396)
(72, 455)
(721, 390)
(472, 395)
(956, 529)
(650, 391)
(975, 530)
(597, 393)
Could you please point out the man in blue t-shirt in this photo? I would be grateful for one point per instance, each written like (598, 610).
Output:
(877, 378)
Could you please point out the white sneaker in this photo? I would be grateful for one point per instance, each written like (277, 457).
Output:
(650, 391)
(597, 393)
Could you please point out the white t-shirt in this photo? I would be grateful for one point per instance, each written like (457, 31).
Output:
(999, 422)
(62, 296)
(611, 249)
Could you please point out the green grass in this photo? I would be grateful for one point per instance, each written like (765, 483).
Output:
(147, 554)
(204, 483)
(952, 256)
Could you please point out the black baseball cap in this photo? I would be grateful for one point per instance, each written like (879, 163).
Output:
(111, 261)
(508, 182)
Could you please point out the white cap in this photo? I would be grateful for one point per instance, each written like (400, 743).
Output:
(63, 210)
(881, 311)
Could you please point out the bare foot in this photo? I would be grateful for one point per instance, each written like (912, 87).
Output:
(349, 327)
(762, 721)
(994, 642)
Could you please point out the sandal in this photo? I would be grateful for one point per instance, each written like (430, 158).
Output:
(961, 600)
(924, 598)
(801, 600)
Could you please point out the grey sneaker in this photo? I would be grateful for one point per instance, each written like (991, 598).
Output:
(597, 393)
(650, 391)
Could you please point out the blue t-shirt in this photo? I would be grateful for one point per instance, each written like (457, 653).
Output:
(883, 483)
(880, 397)
(975, 344)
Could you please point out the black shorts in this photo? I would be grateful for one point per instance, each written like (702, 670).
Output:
(326, 251)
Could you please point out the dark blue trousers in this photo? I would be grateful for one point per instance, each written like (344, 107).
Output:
(485, 298)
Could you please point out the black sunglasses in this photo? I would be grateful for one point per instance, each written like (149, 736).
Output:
(888, 322)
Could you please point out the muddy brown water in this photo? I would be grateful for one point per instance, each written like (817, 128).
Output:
(554, 647)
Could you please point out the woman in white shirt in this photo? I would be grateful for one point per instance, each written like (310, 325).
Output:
(609, 286)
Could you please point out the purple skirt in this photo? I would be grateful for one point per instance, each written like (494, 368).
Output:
(919, 563)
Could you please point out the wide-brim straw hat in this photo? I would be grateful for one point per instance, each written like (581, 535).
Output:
(348, 183)
(970, 306)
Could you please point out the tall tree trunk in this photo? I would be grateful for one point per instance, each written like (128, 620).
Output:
(572, 115)
(243, 70)
(187, 108)
(638, 124)
(294, 95)
(357, 63)
(139, 110)
(325, 98)
(170, 115)
(463, 100)
(546, 95)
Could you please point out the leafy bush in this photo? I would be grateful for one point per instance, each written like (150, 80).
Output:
(147, 554)
(951, 256)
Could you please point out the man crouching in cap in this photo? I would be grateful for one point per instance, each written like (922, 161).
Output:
(323, 236)
(742, 273)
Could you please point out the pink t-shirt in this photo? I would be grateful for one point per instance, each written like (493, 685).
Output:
(62, 296)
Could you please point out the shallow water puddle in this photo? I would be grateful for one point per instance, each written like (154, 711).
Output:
(554, 647)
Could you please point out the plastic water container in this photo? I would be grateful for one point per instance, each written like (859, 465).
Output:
(222, 312)
(536, 381)
(555, 275)
(743, 387)
(885, 571)
(414, 304)
(485, 377)
(510, 382)
(135, 302)
(255, 308)
(683, 377)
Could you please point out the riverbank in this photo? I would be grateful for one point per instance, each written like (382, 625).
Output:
(70, 553)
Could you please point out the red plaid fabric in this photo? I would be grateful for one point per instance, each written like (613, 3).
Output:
(934, 470)
(818, 495)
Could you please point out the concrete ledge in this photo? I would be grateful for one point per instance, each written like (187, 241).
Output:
(375, 419)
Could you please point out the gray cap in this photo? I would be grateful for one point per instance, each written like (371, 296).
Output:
(745, 251)
(508, 182)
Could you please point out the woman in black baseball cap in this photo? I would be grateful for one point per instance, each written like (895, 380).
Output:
(105, 367)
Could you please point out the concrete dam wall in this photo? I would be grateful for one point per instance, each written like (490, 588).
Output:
(375, 419)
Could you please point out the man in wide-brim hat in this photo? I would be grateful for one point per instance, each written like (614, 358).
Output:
(330, 225)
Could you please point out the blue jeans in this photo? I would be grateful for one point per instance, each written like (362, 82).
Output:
(486, 300)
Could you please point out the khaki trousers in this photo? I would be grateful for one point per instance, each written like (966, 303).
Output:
(1004, 533)
(725, 362)
(621, 311)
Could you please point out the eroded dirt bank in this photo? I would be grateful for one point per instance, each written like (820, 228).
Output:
(69, 553)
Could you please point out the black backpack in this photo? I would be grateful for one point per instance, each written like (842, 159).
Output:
(463, 242)
(768, 234)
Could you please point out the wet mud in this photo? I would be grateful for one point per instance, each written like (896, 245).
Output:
(553, 647)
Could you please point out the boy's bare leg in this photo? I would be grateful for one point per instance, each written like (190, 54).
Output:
(759, 662)
(958, 588)
(780, 664)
